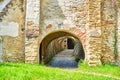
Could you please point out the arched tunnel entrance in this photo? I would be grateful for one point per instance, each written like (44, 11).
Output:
(61, 49)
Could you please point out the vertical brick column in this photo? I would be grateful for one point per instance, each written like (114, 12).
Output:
(109, 19)
(32, 30)
(94, 33)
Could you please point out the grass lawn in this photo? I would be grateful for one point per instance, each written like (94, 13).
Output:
(21, 71)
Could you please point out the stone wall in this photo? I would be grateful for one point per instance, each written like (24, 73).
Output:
(13, 47)
(54, 15)
(109, 25)
(32, 30)
(118, 36)
(92, 22)
(63, 14)
(78, 50)
(94, 39)
(0, 49)
(53, 48)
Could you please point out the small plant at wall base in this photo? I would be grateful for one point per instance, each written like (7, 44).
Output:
(115, 45)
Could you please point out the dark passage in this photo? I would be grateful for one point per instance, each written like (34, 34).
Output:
(40, 54)
(70, 43)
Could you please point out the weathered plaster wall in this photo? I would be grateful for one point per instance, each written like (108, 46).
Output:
(109, 25)
(13, 47)
(63, 14)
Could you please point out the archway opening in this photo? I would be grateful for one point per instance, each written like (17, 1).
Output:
(61, 49)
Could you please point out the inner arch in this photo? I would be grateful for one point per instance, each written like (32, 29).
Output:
(51, 37)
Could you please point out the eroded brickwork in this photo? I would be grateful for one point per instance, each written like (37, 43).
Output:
(32, 30)
(109, 25)
(118, 36)
(93, 23)
(94, 33)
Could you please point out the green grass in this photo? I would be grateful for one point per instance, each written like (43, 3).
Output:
(21, 71)
(106, 69)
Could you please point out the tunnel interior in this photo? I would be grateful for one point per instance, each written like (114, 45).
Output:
(63, 50)
(70, 43)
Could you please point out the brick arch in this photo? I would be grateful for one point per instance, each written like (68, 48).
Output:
(76, 33)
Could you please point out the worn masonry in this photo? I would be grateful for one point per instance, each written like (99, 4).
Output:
(33, 31)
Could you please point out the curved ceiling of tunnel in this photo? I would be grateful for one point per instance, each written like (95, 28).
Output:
(52, 36)
(56, 34)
